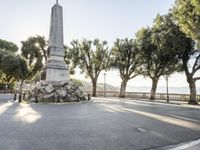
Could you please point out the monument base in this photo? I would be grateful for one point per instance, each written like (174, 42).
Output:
(57, 91)
(56, 71)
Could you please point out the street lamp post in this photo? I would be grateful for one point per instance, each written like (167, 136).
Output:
(167, 88)
(6, 88)
(104, 84)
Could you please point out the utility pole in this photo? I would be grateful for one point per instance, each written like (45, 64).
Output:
(167, 88)
(104, 84)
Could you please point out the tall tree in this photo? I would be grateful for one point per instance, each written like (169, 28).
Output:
(5, 48)
(34, 55)
(158, 57)
(187, 13)
(125, 58)
(7, 64)
(9, 67)
(190, 68)
(14, 69)
(90, 56)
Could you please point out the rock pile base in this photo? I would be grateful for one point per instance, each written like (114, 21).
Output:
(57, 91)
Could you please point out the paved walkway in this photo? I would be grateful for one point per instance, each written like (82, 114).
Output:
(104, 124)
(172, 102)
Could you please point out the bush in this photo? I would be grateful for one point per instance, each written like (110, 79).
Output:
(3, 86)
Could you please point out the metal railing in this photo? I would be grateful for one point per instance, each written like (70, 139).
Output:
(145, 95)
(7, 91)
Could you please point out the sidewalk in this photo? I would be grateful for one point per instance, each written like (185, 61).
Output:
(190, 145)
(171, 102)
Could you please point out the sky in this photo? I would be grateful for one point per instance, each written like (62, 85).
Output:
(103, 19)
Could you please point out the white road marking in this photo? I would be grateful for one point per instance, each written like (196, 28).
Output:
(188, 145)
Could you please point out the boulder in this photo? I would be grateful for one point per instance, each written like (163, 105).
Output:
(49, 88)
(59, 91)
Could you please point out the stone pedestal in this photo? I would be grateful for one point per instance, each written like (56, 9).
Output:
(57, 91)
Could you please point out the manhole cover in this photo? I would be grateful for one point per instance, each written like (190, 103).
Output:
(141, 130)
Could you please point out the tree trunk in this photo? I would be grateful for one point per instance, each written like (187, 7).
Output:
(94, 87)
(153, 88)
(123, 88)
(193, 93)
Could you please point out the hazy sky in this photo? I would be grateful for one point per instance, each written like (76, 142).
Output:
(103, 19)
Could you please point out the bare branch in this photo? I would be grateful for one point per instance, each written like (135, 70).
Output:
(196, 66)
(197, 78)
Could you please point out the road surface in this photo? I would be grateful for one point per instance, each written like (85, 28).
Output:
(104, 124)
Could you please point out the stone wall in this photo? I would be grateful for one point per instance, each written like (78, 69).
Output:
(57, 91)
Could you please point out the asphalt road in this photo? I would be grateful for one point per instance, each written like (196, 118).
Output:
(5, 97)
(105, 124)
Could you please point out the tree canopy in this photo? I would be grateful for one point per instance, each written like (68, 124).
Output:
(187, 13)
(7, 61)
(13, 68)
(8, 46)
(9, 68)
(34, 49)
(90, 56)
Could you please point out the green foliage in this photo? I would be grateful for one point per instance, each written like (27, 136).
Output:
(8, 46)
(125, 57)
(2, 54)
(12, 68)
(70, 59)
(187, 13)
(9, 86)
(77, 82)
(157, 46)
(36, 78)
(9, 66)
(34, 49)
(90, 56)
(24, 72)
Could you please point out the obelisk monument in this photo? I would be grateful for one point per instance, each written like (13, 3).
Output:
(56, 86)
(56, 68)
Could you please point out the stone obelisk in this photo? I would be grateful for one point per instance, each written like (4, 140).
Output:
(56, 68)
(57, 86)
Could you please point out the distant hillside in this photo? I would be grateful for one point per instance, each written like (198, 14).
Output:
(179, 90)
(100, 86)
